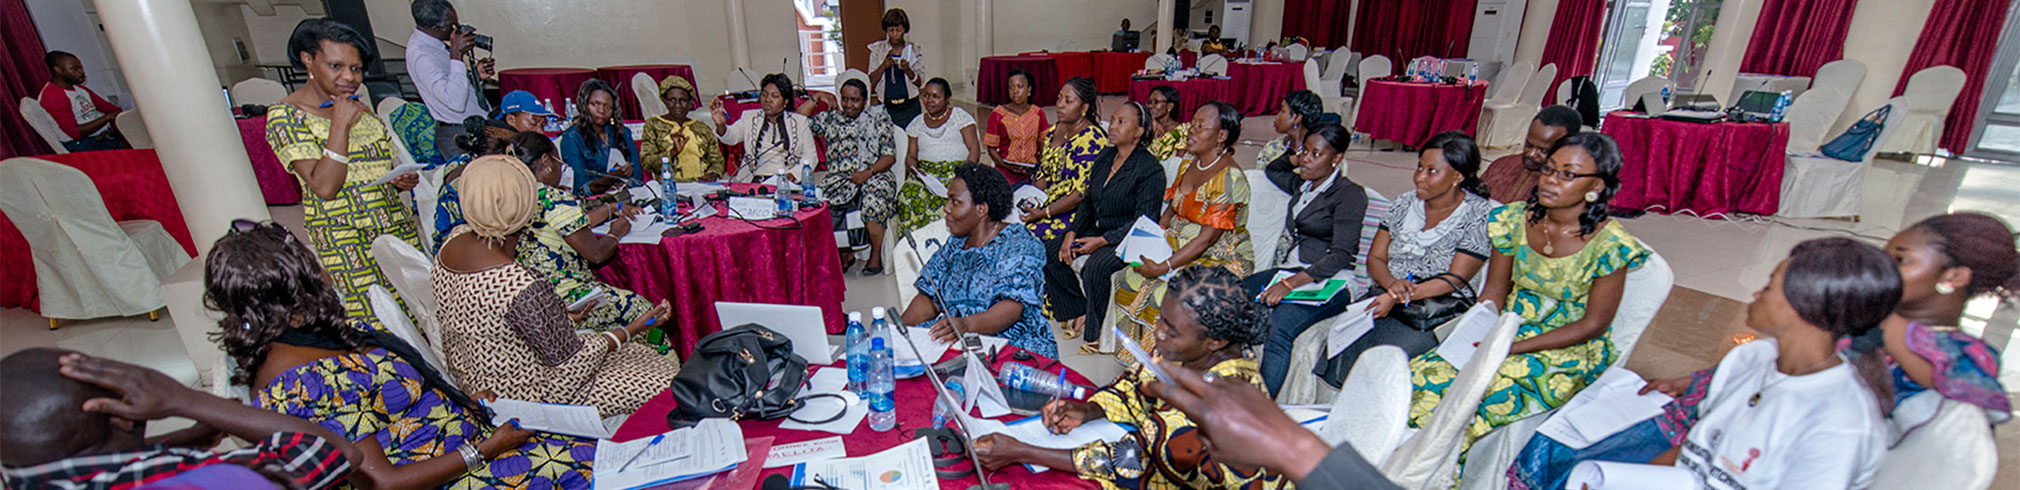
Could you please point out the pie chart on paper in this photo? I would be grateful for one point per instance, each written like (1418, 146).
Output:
(892, 476)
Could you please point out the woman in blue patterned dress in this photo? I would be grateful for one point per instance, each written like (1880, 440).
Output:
(289, 342)
(990, 274)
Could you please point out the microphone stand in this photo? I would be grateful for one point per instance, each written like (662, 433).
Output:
(939, 386)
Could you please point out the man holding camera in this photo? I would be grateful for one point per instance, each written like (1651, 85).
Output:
(438, 59)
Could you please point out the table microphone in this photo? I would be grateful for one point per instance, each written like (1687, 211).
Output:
(780, 482)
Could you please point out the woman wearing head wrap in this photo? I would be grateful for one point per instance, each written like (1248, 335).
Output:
(688, 144)
(503, 327)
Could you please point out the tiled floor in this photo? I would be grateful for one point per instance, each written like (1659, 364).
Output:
(1718, 265)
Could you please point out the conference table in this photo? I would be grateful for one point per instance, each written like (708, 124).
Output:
(277, 186)
(619, 77)
(133, 186)
(1410, 113)
(1709, 170)
(914, 409)
(555, 87)
(1192, 93)
(1260, 86)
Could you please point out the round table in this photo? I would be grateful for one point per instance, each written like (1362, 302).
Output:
(1412, 112)
(620, 78)
(1191, 93)
(777, 261)
(553, 86)
(277, 185)
(1112, 70)
(1260, 87)
(992, 84)
(914, 397)
(132, 185)
(1708, 169)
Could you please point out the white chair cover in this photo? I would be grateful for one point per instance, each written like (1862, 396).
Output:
(1496, 451)
(387, 105)
(1340, 63)
(1647, 288)
(1645, 85)
(412, 275)
(1213, 64)
(1297, 52)
(1954, 449)
(86, 265)
(1376, 66)
(1509, 87)
(1268, 207)
(910, 264)
(1930, 93)
(1429, 458)
(1372, 409)
(134, 129)
(1314, 82)
(1813, 113)
(898, 175)
(388, 311)
(1817, 186)
(1326, 83)
(1506, 123)
(1564, 91)
(44, 124)
(259, 91)
(1162, 62)
(647, 91)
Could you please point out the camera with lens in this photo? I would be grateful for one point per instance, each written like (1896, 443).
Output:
(481, 41)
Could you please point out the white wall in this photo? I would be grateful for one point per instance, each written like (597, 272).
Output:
(1881, 35)
(72, 26)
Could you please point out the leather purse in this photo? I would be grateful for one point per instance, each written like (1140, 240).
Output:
(747, 372)
(1426, 314)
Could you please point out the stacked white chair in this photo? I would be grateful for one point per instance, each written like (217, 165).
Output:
(1501, 107)
(1811, 115)
(388, 311)
(1213, 64)
(1162, 63)
(1429, 458)
(86, 265)
(1645, 85)
(1332, 78)
(1372, 410)
(1317, 84)
(411, 273)
(1297, 52)
(1511, 124)
(134, 129)
(1817, 186)
(1930, 93)
(44, 125)
(258, 91)
(647, 91)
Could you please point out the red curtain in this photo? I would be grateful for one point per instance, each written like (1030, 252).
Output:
(1323, 22)
(1963, 34)
(1405, 29)
(1574, 38)
(1795, 37)
(21, 75)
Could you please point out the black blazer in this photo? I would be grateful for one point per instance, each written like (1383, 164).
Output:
(1112, 204)
(1329, 231)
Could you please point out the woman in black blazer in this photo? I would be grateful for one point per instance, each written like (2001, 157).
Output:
(1323, 242)
(1116, 195)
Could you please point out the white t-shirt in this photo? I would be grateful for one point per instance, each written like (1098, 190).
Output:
(1821, 430)
(80, 104)
(944, 143)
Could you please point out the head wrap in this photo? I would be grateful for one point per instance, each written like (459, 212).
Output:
(675, 82)
(497, 196)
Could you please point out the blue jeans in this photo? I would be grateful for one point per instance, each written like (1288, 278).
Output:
(1287, 322)
(109, 140)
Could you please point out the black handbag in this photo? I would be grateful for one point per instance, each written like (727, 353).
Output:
(1425, 314)
(747, 372)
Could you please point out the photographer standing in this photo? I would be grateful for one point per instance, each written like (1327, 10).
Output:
(438, 59)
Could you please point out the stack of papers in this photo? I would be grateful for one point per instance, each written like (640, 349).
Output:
(1611, 404)
(645, 228)
(402, 169)
(1458, 347)
(1145, 243)
(906, 467)
(1349, 327)
(572, 420)
(713, 446)
(1630, 476)
(1314, 294)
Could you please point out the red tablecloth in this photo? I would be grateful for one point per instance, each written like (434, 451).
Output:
(1110, 70)
(556, 85)
(992, 84)
(915, 397)
(1072, 64)
(1191, 93)
(1411, 112)
(1261, 87)
(133, 186)
(276, 184)
(772, 261)
(619, 77)
(1670, 166)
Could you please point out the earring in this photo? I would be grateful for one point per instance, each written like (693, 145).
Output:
(1945, 288)
(1592, 196)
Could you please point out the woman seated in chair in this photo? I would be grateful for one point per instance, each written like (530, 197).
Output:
(943, 137)
(860, 154)
(1016, 130)
(1424, 257)
(290, 344)
(1206, 223)
(597, 131)
(505, 330)
(1124, 185)
(481, 136)
(1063, 165)
(1209, 325)
(1167, 124)
(1561, 264)
(673, 138)
(1322, 244)
(776, 140)
(987, 275)
(1296, 116)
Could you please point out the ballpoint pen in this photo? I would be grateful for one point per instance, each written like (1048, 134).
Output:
(641, 452)
(327, 103)
(1406, 294)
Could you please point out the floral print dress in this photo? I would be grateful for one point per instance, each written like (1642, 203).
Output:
(546, 251)
(854, 145)
(1171, 143)
(1220, 203)
(1164, 452)
(1064, 170)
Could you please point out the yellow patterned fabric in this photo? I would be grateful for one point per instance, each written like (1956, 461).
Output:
(1064, 170)
(701, 155)
(1548, 293)
(546, 251)
(342, 228)
(1171, 142)
(1171, 456)
(1271, 150)
(1221, 203)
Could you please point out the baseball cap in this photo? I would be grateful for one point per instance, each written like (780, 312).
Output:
(522, 101)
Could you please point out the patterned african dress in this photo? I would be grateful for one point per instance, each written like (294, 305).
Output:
(448, 203)
(1009, 267)
(939, 151)
(417, 128)
(342, 228)
(546, 250)
(1548, 293)
(1166, 445)
(854, 145)
(1171, 143)
(1016, 138)
(700, 156)
(1219, 203)
(1064, 169)
(377, 395)
(1271, 150)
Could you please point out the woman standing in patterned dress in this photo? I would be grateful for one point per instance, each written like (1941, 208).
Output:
(1071, 146)
(860, 154)
(321, 131)
(291, 344)
(1205, 222)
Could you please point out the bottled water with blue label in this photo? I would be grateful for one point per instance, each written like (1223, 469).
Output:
(882, 381)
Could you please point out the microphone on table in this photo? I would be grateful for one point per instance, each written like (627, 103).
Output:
(780, 482)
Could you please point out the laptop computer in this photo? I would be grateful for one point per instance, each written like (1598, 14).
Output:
(1759, 105)
(804, 325)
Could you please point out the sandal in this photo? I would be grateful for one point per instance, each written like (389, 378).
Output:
(1092, 348)
(1072, 328)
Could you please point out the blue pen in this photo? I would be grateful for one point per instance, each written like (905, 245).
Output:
(1412, 277)
(327, 103)
(641, 452)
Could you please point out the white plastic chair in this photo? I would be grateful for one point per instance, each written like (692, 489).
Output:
(1213, 64)
(387, 105)
(411, 274)
(1813, 113)
(1953, 449)
(258, 91)
(898, 176)
(909, 264)
(1509, 124)
(388, 311)
(1565, 90)
(86, 265)
(647, 91)
(1372, 410)
(1429, 458)
(1268, 207)
(44, 125)
(1509, 87)
(1371, 68)
(1645, 85)
(1817, 186)
(134, 129)
(1162, 63)
(1317, 84)
(1930, 93)
(1503, 107)
(1297, 52)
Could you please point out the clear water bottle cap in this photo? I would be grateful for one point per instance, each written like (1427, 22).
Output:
(877, 312)
(856, 316)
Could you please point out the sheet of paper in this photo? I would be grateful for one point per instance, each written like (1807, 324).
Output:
(738, 478)
(1026, 195)
(1145, 242)
(718, 445)
(670, 446)
(854, 410)
(1610, 404)
(645, 228)
(690, 189)
(755, 208)
(615, 160)
(1473, 327)
(985, 396)
(402, 169)
(573, 420)
(805, 451)
(932, 183)
(908, 466)
(1032, 431)
(1349, 327)
(828, 380)
(1629, 476)
(1312, 420)
(921, 337)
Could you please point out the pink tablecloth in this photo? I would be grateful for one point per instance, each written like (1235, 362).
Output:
(914, 410)
(1412, 112)
(1708, 169)
(619, 77)
(133, 186)
(992, 83)
(555, 85)
(1191, 93)
(774, 261)
(276, 184)
(1260, 87)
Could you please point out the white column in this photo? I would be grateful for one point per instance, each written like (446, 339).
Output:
(739, 46)
(1729, 38)
(1536, 20)
(985, 28)
(1165, 23)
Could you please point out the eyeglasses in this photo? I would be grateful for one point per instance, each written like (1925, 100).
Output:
(1564, 174)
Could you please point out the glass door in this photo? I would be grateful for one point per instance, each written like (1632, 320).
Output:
(1627, 32)
(1997, 136)
(1663, 38)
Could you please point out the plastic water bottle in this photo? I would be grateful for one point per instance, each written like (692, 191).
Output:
(1027, 378)
(808, 189)
(858, 345)
(1472, 73)
(784, 199)
(669, 203)
(882, 380)
(570, 103)
(943, 412)
(1781, 106)
(880, 326)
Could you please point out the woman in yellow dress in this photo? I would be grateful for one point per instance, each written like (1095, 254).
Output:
(1204, 222)
(1165, 122)
(688, 144)
(337, 150)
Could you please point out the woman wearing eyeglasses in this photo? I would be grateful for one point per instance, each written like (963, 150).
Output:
(1561, 264)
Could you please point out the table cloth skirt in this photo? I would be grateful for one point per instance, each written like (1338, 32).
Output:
(277, 185)
(553, 86)
(1260, 88)
(1706, 169)
(1410, 113)
(992, 84)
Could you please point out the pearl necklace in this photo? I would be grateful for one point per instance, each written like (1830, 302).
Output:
(1210, 163)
